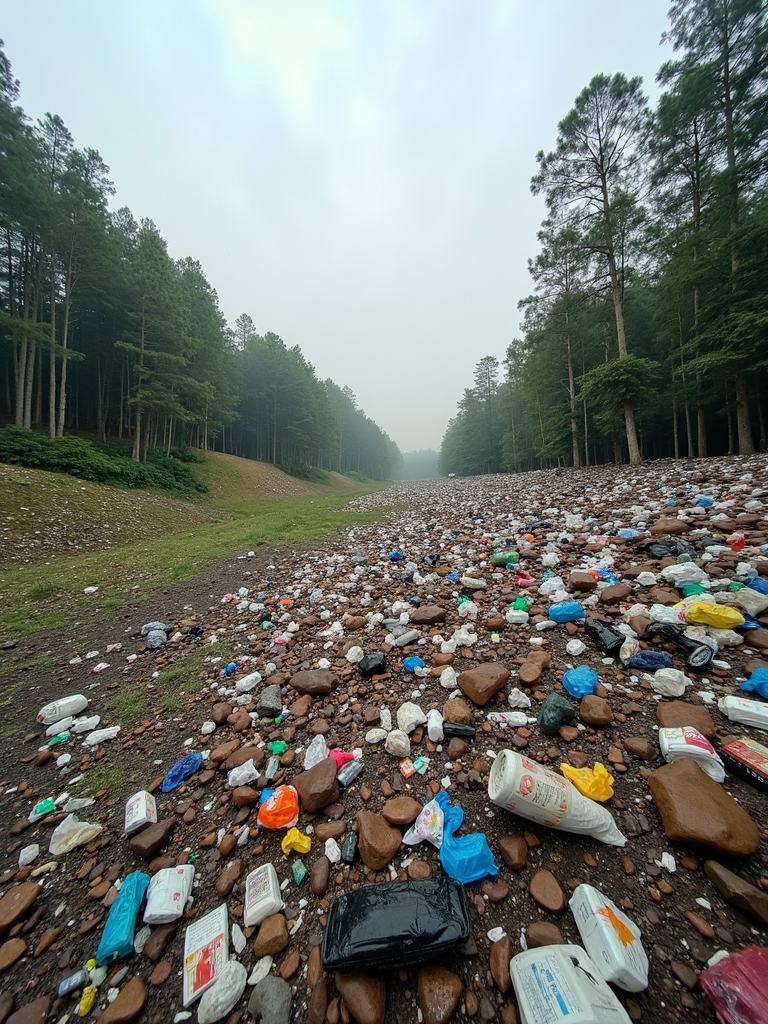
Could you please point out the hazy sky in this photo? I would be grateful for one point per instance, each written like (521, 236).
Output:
(354, 174)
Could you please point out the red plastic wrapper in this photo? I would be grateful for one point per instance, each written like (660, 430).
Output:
(736, 986)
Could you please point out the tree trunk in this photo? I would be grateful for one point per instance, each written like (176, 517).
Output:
(64, 337)
(28, 380)
(675, 439)
(689, 430)
(635, 457)
(743, 426)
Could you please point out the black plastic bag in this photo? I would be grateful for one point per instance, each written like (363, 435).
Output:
(395, 924)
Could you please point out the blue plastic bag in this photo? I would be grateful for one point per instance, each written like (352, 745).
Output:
(749, 623)
(117, 937)
(566, 611)
(761, 586)
(650, 661)
(180, 772)
(409, 664)
(581, 681)
(627, 533)
(757, 683)
(466, 859)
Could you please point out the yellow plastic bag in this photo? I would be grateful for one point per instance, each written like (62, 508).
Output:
(720, 616)
(596, 783)
(87, 1000)
(295, 840)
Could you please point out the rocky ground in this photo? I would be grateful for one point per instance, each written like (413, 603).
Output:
(326, 600)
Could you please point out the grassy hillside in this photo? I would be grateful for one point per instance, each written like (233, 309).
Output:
(61, 534)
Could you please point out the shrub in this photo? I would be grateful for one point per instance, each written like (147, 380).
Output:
(305, 472)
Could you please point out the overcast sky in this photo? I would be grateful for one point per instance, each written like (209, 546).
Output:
(354, 174)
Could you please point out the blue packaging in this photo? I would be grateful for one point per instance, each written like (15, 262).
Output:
(567, 611)
(650, 661)
(757, 683)
(581, 681)
(117, 937)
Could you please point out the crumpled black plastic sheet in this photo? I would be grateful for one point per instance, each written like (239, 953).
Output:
(395, 924)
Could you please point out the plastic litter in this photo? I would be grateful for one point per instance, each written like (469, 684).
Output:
(281, 809)
(580, 681)
(349, 772)
(341, 757)
(749, 760)
(745, 711)
(72, 833)
(757, 683)
(373, 664)
(698, 655)
(596, 783)
(180, 772)
(395, 924)
(538, 794)
(608, 639)
(567, 611)
(117, 937)
(736, 986)
(262, 895)
(65, 708)
(689, 742)
(721, 616)
(169, 890)
(316, 752)
(429, 823)
(670, 682)
(295, 840)
(649, 661)
(611, 939)
(468, 858)
(556, 984)
(514, 719)
(140, 810)
(87, 1001)
(75, 981)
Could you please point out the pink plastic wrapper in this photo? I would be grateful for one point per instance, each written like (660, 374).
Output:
(736, 986)
(340, 757)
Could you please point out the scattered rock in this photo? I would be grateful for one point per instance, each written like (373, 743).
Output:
(378, 842)
(545, 889)
(130, 1001)
(365, 996)
(481, 683)
(439, 993)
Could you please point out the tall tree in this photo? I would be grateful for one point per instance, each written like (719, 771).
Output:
(596, 172)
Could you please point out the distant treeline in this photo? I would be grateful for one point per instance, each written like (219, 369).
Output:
(102, 333)
(647, 332)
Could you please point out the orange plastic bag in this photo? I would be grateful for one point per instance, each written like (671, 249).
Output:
(281, 809)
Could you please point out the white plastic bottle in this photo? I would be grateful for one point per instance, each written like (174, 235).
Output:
(262, 895)
(63, 708)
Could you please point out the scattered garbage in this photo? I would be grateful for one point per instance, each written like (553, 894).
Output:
(595, 783)
(169, 890)
(538, 794)
(206, 950)
(469, 857)
(612, 941)
(180, 772)
(140, 810)
(580, 681)
(395, 924)
(72, 833)
(117, 937)
(280, 809)
(689, 742)
(735, 986)
(748, 760)
(744, 711)
(67, 707)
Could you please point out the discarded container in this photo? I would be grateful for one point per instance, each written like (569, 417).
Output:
(566, 611)
(75, 981)
(560, 983)
(736, 986)
(468, 858)
(689, 742)
(65, 708)
(720, 616)
(745, 711)
(580, 681)
(608, 639)
(395, 924)
(747, 759)
(140, 810)
(464, 732)
(169, 890)
(610, 938)
(262, 895)
(349, 773)
(697, 655)
(538, 794)
(206, 950)
(117, 937)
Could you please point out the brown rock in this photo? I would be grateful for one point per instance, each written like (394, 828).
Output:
(514, 852)
(457, 710)
(614, 593)
(378, 842)
(321, 872)
(501, 953)
(220, 712)
(158, 940)
(47, 939)
(581, 581)
(695, 810)
(152, 840)
(662, 595)
(130, 1001)
(530, 672)
(402, 810)
(32, 1013)
(545, 889)
(242, 796)
(11, 951)
(318, 1002)
(314, 681)
(427, 615)
(457, 747)
(737, 890)
(7, 1003)
(314, 967)
(675, 714)
(640, 624)
(481, 683)
(250, 752)
(439, 993)
(290, 965)
(231, 874)
(669, 525)
(354, 622)
(595, 710)
(15, 904)
(365, 996)
(301, 707)
(318, 787)
(273, 936)
(542, 933)
(330, 830)
(223, 751)
(419, 869)
(496, 891)
(640, 747)
(160, 974)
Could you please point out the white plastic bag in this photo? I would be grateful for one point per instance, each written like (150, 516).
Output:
(243, 774)
(689, 742)
(72, 833)
(428, 825)
(169, 890)
(670, 682)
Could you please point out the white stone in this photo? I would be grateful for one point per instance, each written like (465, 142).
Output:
(410, 717)
(397, 744)
(220, 998)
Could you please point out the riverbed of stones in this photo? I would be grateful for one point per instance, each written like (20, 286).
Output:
(283, 641)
